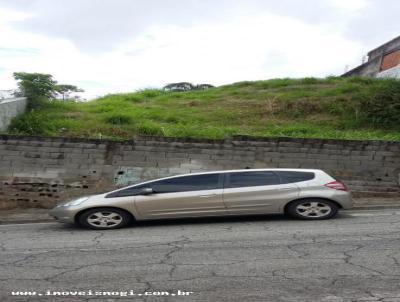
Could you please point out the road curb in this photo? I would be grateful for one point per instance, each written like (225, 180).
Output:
(376, 207)
(24, 221)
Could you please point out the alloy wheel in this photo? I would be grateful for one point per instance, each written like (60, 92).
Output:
(104, 219)
(313, 209)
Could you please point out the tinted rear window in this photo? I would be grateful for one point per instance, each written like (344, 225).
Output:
(294, 176)
(251, 179)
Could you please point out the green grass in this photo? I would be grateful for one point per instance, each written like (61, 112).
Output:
(309, 107)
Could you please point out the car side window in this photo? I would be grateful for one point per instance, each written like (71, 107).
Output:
(188, 183)
(176, 184)
(251, 179)
(294, 176)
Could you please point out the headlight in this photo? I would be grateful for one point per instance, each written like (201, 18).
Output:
(75, 202)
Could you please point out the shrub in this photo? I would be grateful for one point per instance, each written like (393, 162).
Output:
(118, 119)
(134, 98)
(380, 104)
(30, 123)
(148, 128)
(310, 80)
(150, 93)
(361, 80)
(38, 103)
(301, 107)
(171, 119)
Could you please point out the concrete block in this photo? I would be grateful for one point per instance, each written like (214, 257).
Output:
(176, 171)
(133, 153)
(194, 156)
(191, 166)
(319, 156)
(134, 158)
(222, 156)
(155, 154)
(24, 174)
(288, 150)
(293, 155)
(134, 163)
(288, 165)
(71, 156)
(216, 152)
(395, 159)
(96, 155)
(177, 155)
(97, 161)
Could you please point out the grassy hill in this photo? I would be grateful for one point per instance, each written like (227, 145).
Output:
(346, 108)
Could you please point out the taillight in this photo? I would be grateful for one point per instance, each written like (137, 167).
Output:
(337, 185)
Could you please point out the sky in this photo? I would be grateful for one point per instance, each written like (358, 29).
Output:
(109, 46)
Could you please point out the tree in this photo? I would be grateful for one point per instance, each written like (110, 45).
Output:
(40, 87)
(181, 86)
(203, 86)
(186, 86)
(65, 90)
(35, 85)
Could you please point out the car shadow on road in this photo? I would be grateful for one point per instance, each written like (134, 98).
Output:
(212, 220)
(245, 219)
(229, 219)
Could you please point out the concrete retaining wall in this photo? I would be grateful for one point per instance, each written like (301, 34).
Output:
(10, 108)
(38, 172)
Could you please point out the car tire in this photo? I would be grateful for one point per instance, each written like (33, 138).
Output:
(312, 209)
(104, 218)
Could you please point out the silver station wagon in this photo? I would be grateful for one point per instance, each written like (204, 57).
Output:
(299, 193)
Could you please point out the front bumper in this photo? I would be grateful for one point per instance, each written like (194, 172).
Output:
(63, 214)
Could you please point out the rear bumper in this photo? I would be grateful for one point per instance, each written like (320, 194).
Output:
(344, 199)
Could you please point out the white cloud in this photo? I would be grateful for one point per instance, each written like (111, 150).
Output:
(9, 15)
(242, 49)
(350, 6)
(244, 45)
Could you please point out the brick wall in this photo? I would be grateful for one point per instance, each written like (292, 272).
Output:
(391, 60)
(38, 172)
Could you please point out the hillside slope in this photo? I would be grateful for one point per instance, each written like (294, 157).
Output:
(317, 108)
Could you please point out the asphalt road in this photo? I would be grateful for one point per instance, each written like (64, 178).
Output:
(352, 258)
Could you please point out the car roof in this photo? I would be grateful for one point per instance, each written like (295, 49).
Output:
(246, 170)
(249, 170)
(220, 171)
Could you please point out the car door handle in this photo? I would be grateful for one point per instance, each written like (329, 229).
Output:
(207, 195)
(285, 189)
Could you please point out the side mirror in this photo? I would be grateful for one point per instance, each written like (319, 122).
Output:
(146, 191)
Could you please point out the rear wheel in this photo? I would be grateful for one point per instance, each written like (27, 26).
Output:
(104, 218)
(312, 209)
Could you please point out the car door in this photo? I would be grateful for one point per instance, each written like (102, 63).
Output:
(183, 196)
(256, 192)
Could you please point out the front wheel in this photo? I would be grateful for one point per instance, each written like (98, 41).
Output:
(104, 218)
(312, 209)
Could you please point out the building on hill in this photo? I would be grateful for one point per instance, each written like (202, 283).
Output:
(383, 61)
